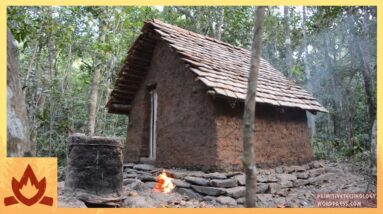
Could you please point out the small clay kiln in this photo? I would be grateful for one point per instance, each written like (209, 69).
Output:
(94, 165)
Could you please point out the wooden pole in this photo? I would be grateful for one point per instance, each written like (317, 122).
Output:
(249, 111)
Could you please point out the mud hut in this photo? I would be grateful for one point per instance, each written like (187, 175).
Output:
(184, 94)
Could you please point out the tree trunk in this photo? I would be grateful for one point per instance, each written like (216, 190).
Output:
(287, 41)
(310, 117)
(18, 143)
(362, 49)
(219, 25)
(250, 109)
(51, 69)
(94, 87)
(366, 72)
(373, 145)
(36, 53)
(336, 105)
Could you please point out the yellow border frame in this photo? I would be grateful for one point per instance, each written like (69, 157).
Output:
(3, 159)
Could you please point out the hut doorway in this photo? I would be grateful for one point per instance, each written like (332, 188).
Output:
(153, 124)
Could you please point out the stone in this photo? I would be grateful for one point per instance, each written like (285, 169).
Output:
(128, 165)
(241, 200)
(132, 193)
(146, 178)
(302, 175)
(316, 164)
(150, 185)
(197, 181)
(60, 187)
(265, 200)
(236, 192)
(188, 192)
(231, 174)
(196, 173)
(226, 200)
(321, 178)
(223, 183)
(286, 184)
(101, 200)
(262, 187)
(70, 202)
(145, 167)
(241, 179)
(265, 171)
(139, 202)
(137, 185)
(300, 182)
(282, 192)
(130, 175)
(279, 169)
(286, 177)
(177, 174)
(301, 168)
(279, 201)
(134, 171)
(274, 188)
(334, 170)
(214, 191)
(128, 181)
(289, 169)
(316, 172)
(215, 175)
(181, 183)
(209, 198)
(267, 178)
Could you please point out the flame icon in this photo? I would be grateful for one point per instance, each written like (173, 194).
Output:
(28, 179)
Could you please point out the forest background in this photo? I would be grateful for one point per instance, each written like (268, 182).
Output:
(69, 58)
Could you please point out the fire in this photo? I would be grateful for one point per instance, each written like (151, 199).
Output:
(164, 183)
(29, 189)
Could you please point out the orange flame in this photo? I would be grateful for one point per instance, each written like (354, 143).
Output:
(29, 189)
(164, 183)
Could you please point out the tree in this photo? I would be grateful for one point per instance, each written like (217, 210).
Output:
(310, 117)
(250, 109)
(363, 47)
(18, 143)
(220, 23)
(288, 54)
(96, 76)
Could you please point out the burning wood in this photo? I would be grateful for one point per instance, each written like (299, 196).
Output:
(164, 183)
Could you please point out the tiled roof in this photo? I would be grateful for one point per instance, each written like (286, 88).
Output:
(220, 66)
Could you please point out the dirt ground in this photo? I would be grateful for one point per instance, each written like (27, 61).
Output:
(338, 178)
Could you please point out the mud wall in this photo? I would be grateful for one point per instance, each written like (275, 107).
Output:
(197, 131)
(282, 136)
(185, 117)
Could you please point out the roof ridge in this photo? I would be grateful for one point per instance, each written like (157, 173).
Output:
(164, 24)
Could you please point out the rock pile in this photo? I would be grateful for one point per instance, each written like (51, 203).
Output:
(229, 188)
